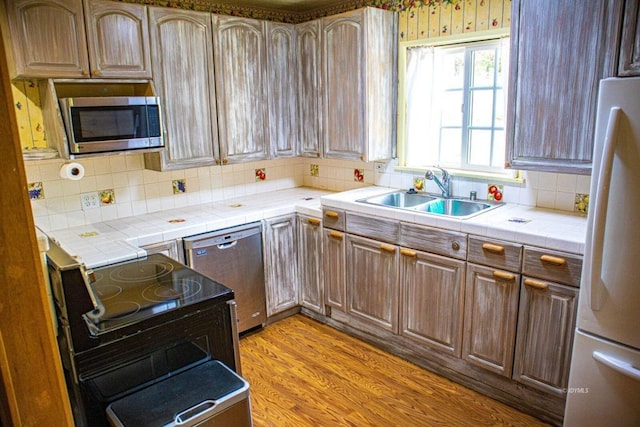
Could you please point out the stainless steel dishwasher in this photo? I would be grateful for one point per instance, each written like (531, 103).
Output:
(233, 257)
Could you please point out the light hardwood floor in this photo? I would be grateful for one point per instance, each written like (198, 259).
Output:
(304, 373)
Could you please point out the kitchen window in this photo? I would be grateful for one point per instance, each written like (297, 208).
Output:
(453, 99)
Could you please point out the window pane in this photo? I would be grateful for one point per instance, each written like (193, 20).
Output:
(450, 146)
(480, 147)
(482, 107)
(500, 114)
(498, 149)
(452, 68)
(483, 67)
(451, 108)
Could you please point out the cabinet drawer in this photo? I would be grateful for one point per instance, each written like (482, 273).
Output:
(551, 265)
(448, 243)
(495, 253)
(386, 230)
(333, 218)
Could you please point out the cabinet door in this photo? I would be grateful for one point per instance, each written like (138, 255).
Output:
(310, 263)
(334, 269)
(241, 85)
(432, 300)
(48, 38)
(281, 264)
(545, 334)
(343, 107)
(308, 56)
(372, 282)
(118, 39)
(183, 75)
(490, 318)
(553, 86)
(282, 89)
(629, 64)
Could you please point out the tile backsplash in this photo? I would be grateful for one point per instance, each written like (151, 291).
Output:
(134, 190)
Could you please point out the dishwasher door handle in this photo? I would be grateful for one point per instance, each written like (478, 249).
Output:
(227, 245)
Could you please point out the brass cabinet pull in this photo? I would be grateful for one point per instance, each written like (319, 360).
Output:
(313, 221)
(496, 249)
(217, 160)
(408, 253)
(95, 72)
(387, 248)
(336, 234)
(85, 72)
(555, 260)
(225, 161)
(332, 214)
(537, 284)
(503, 275)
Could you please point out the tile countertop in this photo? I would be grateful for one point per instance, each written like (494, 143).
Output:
(547, 228)
(119, 240)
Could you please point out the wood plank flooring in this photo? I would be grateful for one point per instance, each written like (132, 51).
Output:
(304, 373)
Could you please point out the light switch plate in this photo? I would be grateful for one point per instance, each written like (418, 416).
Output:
(90, 200)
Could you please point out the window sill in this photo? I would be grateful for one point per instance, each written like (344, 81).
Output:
(509, 177)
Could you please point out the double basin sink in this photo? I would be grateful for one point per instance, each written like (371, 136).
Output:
(432, 204)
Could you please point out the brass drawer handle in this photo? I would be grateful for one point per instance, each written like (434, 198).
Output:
(503, 275)
(336, 234)
(332, 214)
(408, 253)
(537, 284)
(553, 260)
(496, 249)
(387, 248)
(313, 221)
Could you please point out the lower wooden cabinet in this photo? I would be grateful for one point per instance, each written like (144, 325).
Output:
(372, 282)
(544, 339)
(281, 271)
(333, 245)
(310, 263)
(490, 318)
(432, 300)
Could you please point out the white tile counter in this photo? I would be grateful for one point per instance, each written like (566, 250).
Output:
(552, 229)
(120, 240)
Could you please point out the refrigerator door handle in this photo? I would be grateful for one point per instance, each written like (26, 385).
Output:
(625, 368)
(596, 293)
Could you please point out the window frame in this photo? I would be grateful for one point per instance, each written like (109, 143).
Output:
(508, 175)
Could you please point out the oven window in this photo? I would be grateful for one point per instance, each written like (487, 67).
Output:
(109, 123)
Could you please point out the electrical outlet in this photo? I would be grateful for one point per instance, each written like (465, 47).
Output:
(90, 200)
(379, 166)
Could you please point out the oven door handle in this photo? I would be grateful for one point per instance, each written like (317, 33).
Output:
(196, 413)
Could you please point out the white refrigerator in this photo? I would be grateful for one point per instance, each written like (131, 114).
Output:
(604, 380)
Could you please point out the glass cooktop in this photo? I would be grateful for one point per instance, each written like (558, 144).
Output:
(135, 290)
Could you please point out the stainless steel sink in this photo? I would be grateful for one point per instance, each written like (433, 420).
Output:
(431, 204)
(399, 199)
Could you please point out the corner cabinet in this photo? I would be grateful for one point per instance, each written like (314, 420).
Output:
(281, 89)
(629, 64)
(118, 39)
(553, 86)
(184, 80)
(281, 266)
(310, 263)
(241, 84)
(359, 51)
(48, 39)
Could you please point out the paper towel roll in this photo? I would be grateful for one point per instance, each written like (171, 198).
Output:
(72, 170)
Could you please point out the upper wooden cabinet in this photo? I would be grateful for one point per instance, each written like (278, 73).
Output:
(629, 64)
(48, 39)
(282, 89)
(559, 52)
(241, 85)
(359, 52)
(309, 79)
(118, 39)
(184, 80)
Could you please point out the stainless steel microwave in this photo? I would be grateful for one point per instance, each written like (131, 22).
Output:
(111, 124)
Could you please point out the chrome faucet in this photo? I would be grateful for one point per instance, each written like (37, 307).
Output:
(444, 185)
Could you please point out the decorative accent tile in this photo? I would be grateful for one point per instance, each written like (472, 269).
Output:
(88, 234)
(358, 175)
(418, 183)
(36, 190)
(495, 192)
(176, 220)
(107, 197)
(315, 170)
(261, 174)
(581, 204)
(179, 186)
